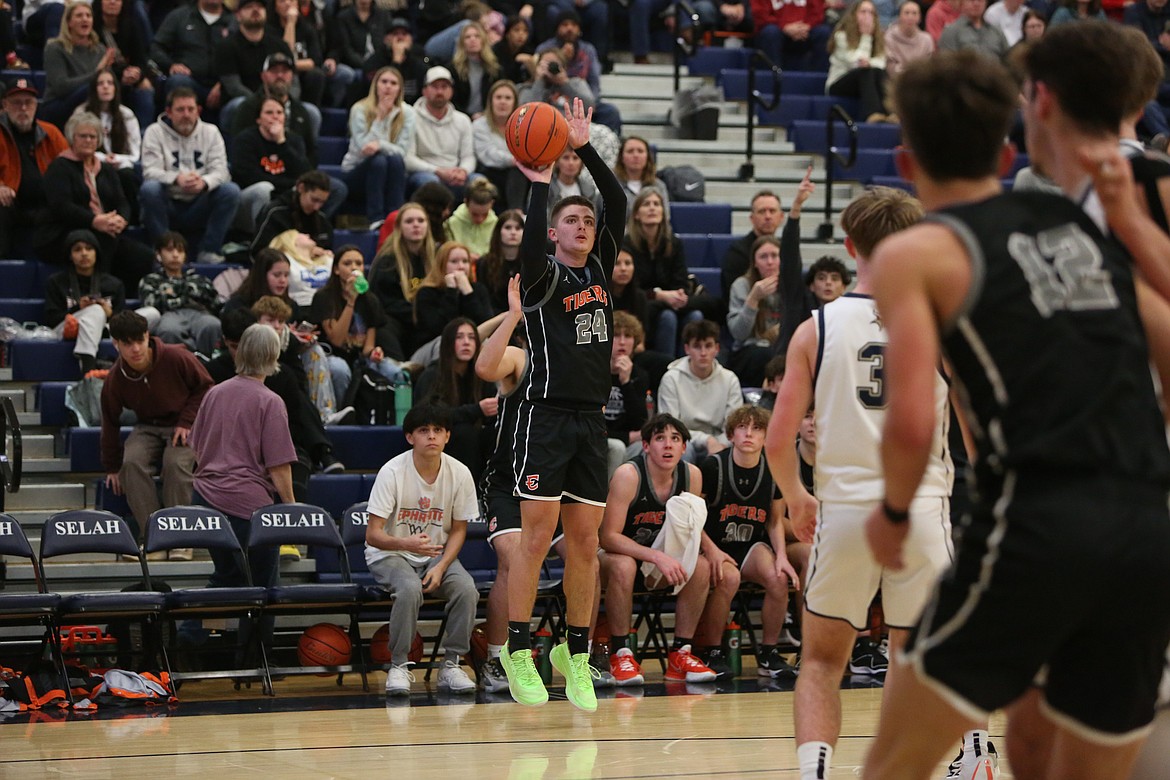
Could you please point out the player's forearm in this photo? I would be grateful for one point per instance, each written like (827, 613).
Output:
(282, 480)
(533, 256)
(905, 454)
(491, 354)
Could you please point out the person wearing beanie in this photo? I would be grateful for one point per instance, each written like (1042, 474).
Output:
(80, 300)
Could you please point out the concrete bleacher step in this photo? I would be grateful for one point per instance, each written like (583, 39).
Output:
(54, 496)
(637, 84)
(655, 133)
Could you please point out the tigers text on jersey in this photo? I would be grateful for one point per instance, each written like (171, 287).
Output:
(1048, 346)
(850, 406)
(646, 514)
(737, 513)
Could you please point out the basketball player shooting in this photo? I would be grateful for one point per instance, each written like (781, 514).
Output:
(560, 442)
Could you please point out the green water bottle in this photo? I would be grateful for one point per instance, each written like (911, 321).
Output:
(403, 398)
(633, 645)
(731, 638)
(542, 655)
(361, 285)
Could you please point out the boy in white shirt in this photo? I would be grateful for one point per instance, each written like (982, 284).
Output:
(419, 508)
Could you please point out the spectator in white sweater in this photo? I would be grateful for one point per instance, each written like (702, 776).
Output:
(857, 61)
(699, 391)
(442, 148)
(494, 159)
(381, 127)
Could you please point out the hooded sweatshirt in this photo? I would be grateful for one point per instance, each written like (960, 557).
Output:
(461, 228)
(440, 143)
(166, 154)
(702, 404)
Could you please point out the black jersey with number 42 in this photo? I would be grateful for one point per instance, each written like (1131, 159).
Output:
(1048, 344)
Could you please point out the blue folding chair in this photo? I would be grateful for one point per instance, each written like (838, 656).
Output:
(29, 609)
(202, 527)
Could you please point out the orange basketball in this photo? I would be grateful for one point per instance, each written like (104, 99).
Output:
(479, 647)
(380, 646)
(536, 134)
(324, 644)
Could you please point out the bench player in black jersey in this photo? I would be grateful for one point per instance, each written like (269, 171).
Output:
(560, 446)
(1037, 313)
(745, 521)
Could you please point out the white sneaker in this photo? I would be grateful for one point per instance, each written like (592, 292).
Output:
(452, 678)
(337, 417)
(398, 680)
(981, 765)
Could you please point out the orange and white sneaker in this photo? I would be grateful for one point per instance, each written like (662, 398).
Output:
(681, 665)
(625, 668)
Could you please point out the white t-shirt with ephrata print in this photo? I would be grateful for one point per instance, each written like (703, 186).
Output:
(411, 505)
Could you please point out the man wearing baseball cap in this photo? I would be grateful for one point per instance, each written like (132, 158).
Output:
(27, 146)
(442, 147)
(397, 48)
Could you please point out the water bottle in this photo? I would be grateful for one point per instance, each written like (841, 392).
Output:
(542, 655)
(731, 638)
(403, 398)
(649, 404)
(633, 645)
(361, 285)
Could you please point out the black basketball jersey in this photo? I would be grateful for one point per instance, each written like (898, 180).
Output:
(1048, 346)
(569, 337)
(737, 508)
(646, 514)
(502, 466)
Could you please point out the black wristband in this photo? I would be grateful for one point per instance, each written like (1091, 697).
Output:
(897, 517)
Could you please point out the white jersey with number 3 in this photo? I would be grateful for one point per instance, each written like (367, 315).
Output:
(850, 398)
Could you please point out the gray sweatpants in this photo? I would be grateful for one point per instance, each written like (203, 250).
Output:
(404, 580)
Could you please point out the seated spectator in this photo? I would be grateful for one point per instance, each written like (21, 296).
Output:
(8, 54)
(241, 56)
(626, 410)
(766, 217)
(187, 185)
(71, 59)
(121, 134)
(410, 563)
(625, 292)
(266, 158)
(475, 68)
(442, 148)
(773, 376)
(118, 27)
(87, 195)
(303, 355)
(440, 47)
(474, 220)
(447, 292)
(793, 35)
(276, 82)
(401, 264)
(661, 267)
(857, 61)
(700, 391)
(826, 280)
(268, 276)
(1034, 26)
(451, 382)
(939, 16)
(166, 406)
(437, 17)
(588, 55)
(643, 11)
(969, 31)
(747, 537)
(349, 321)
(905, 40)
(1008, 16)
(357, 30)
(27, 147)
(312, 69)
(1073, 10)
(79, 301)
(570, 178)
(397, 49)
(41, 20)
(500, 263)
(552, 84)
(310, 266)
(642, 506)
(381, 127)
(514, 51)
(436, 200)
(636, 170)
(495, 160)
(300, 208)
(753, 317)
(178, 302)
(184, 49)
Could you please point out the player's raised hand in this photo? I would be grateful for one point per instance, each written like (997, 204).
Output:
(579, 120)
(537, 176)
(515, 304)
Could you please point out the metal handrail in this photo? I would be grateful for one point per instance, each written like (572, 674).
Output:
(682, 49)
(747, 171)
(832, 152)
(10, 470)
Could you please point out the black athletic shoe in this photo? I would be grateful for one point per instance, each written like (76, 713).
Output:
(773, 664)
(330, 464)
(716, 660)
(868, 658)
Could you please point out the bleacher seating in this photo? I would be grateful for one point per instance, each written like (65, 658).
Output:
(702, 217)
(37, 361)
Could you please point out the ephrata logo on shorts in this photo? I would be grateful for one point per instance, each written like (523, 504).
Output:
(492, 525)
(424, 503)
(532, 481)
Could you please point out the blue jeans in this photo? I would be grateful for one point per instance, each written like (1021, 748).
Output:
(209, 215)
(641, 12)
(667, 329)
(809, 54)
(419, 178)
(382, 177)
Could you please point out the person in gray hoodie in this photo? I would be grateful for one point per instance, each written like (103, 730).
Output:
(699, 391)
(187, 185)
(442, 148)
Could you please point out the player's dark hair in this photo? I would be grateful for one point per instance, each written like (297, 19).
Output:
(660, 422)
(956, 109)
(1081, 64)
(748, 413)
(700, 330)
(426, 414)
(571, 200)
(128, 325)
(830, 265)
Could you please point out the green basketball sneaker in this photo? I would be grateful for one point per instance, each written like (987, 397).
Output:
(523, 680)
(578, 676)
